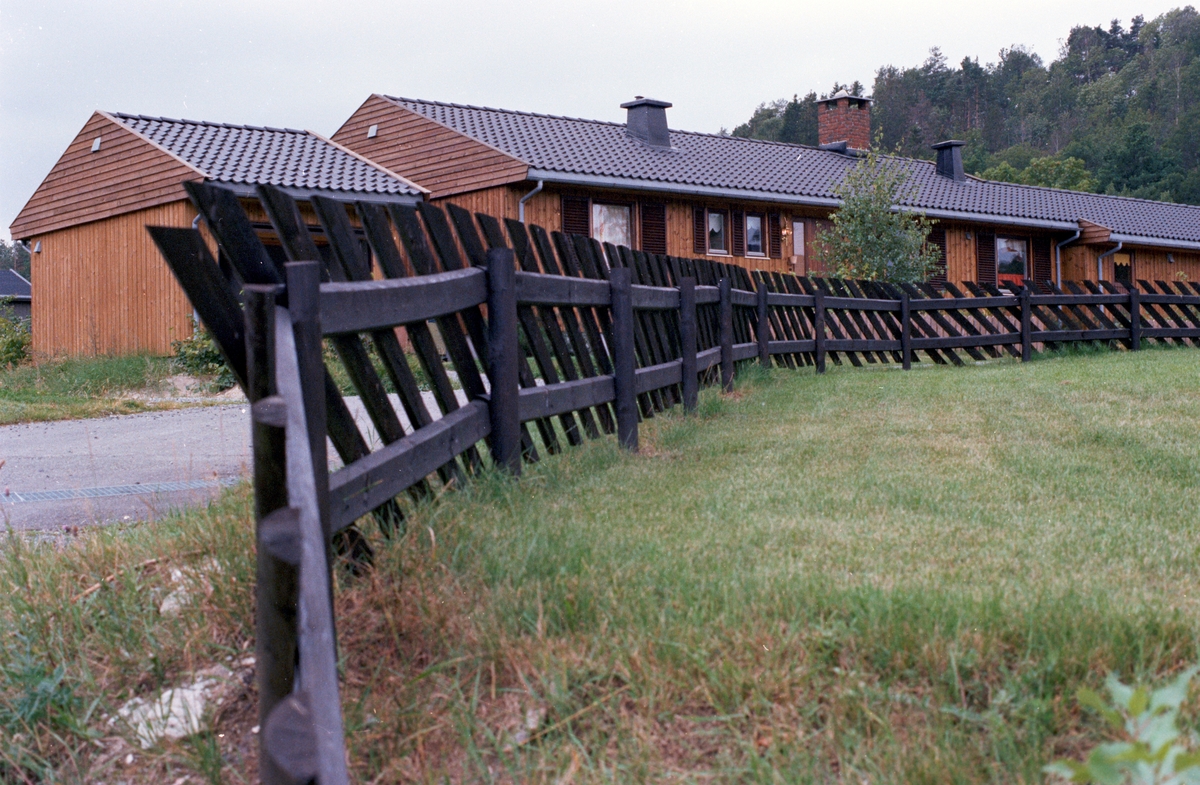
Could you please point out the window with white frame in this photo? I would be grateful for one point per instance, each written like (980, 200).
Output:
(718, 233)
(755, 243)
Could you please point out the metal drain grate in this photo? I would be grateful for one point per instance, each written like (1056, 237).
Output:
(138, 489)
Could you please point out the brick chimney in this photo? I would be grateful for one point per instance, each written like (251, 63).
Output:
(845, 119)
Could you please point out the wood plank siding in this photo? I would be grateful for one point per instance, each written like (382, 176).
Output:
(425, 151)
(103, 287)
(127, 173)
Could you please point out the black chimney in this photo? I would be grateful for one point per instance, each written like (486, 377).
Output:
(647, 121)
(949, 160)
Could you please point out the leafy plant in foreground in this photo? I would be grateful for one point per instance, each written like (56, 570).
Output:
(1152, 750)
(200, 356)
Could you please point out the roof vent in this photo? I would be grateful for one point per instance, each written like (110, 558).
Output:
(949, 159)
(96, 144)
(646, 121)
(372, 132)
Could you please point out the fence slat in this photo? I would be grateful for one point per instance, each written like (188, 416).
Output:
(624, 361)
(726, 304)
(298, 377)
(541, 289)
(357, 489)
(504, 360)
(572, 396)
(363, 306)
(687, 331)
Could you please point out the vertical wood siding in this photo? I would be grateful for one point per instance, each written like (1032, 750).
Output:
(103, 288)
(960, 255)
(1153, 266)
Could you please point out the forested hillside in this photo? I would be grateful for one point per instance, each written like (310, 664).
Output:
(1117, 112)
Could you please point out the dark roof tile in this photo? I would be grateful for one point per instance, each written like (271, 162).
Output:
(267, 156)
(794, 172)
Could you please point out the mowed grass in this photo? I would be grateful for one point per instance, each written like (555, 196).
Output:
(60, 389)
(870, 576)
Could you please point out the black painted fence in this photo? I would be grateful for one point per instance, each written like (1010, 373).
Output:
(580, 340)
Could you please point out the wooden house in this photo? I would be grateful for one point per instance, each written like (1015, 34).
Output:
(756, 203)
(16, 295)
(101, 286)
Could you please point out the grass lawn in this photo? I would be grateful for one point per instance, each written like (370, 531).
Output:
(82, 387)
(871, 576)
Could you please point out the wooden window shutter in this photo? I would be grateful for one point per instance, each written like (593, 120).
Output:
(985, 258)
(576, 215)
(738, 232)
(699, 231)
(774, 236)
(937, 238)
(654, 228)
(1043, 260)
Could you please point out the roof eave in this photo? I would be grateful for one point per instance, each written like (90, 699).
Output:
(1154, 242)
(687, 189)
(303, 194)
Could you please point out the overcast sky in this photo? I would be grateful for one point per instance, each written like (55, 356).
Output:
(308, 64)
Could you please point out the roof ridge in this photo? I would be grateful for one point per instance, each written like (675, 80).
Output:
(587, 120)
(210, 123)
(369, 162)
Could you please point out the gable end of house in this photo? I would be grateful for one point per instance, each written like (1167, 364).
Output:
(425, 151)
(91, 181)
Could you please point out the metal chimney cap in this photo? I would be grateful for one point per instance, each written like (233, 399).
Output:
(948, 143)
(640, 101)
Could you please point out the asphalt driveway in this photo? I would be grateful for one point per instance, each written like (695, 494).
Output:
(132, 467)
(129, 467)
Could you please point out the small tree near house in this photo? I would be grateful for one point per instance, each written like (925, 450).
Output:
(869, 239)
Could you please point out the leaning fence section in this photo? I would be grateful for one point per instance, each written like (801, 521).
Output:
(461, 340)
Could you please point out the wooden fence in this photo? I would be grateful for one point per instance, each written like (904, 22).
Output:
(578, 340)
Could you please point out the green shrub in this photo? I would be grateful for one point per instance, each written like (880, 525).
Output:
(15, 336)
(1150, 748)
(200, 357)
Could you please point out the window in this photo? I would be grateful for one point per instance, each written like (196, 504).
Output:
(797, 238)
(717, 242)
(611, 223)
(1012, 259)
(1123, 268)
(754, 236)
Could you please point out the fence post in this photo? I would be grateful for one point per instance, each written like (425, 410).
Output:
(725, 287)
(1135, 318)
(905, 331)
(764, 325)
(687, 340)
(304, 304)
(504, 358)
(624, 378)
(819, 328)
(276, 579)
(1026, 342)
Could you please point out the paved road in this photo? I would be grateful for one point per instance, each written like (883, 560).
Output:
(132, 467)
(89, 459)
